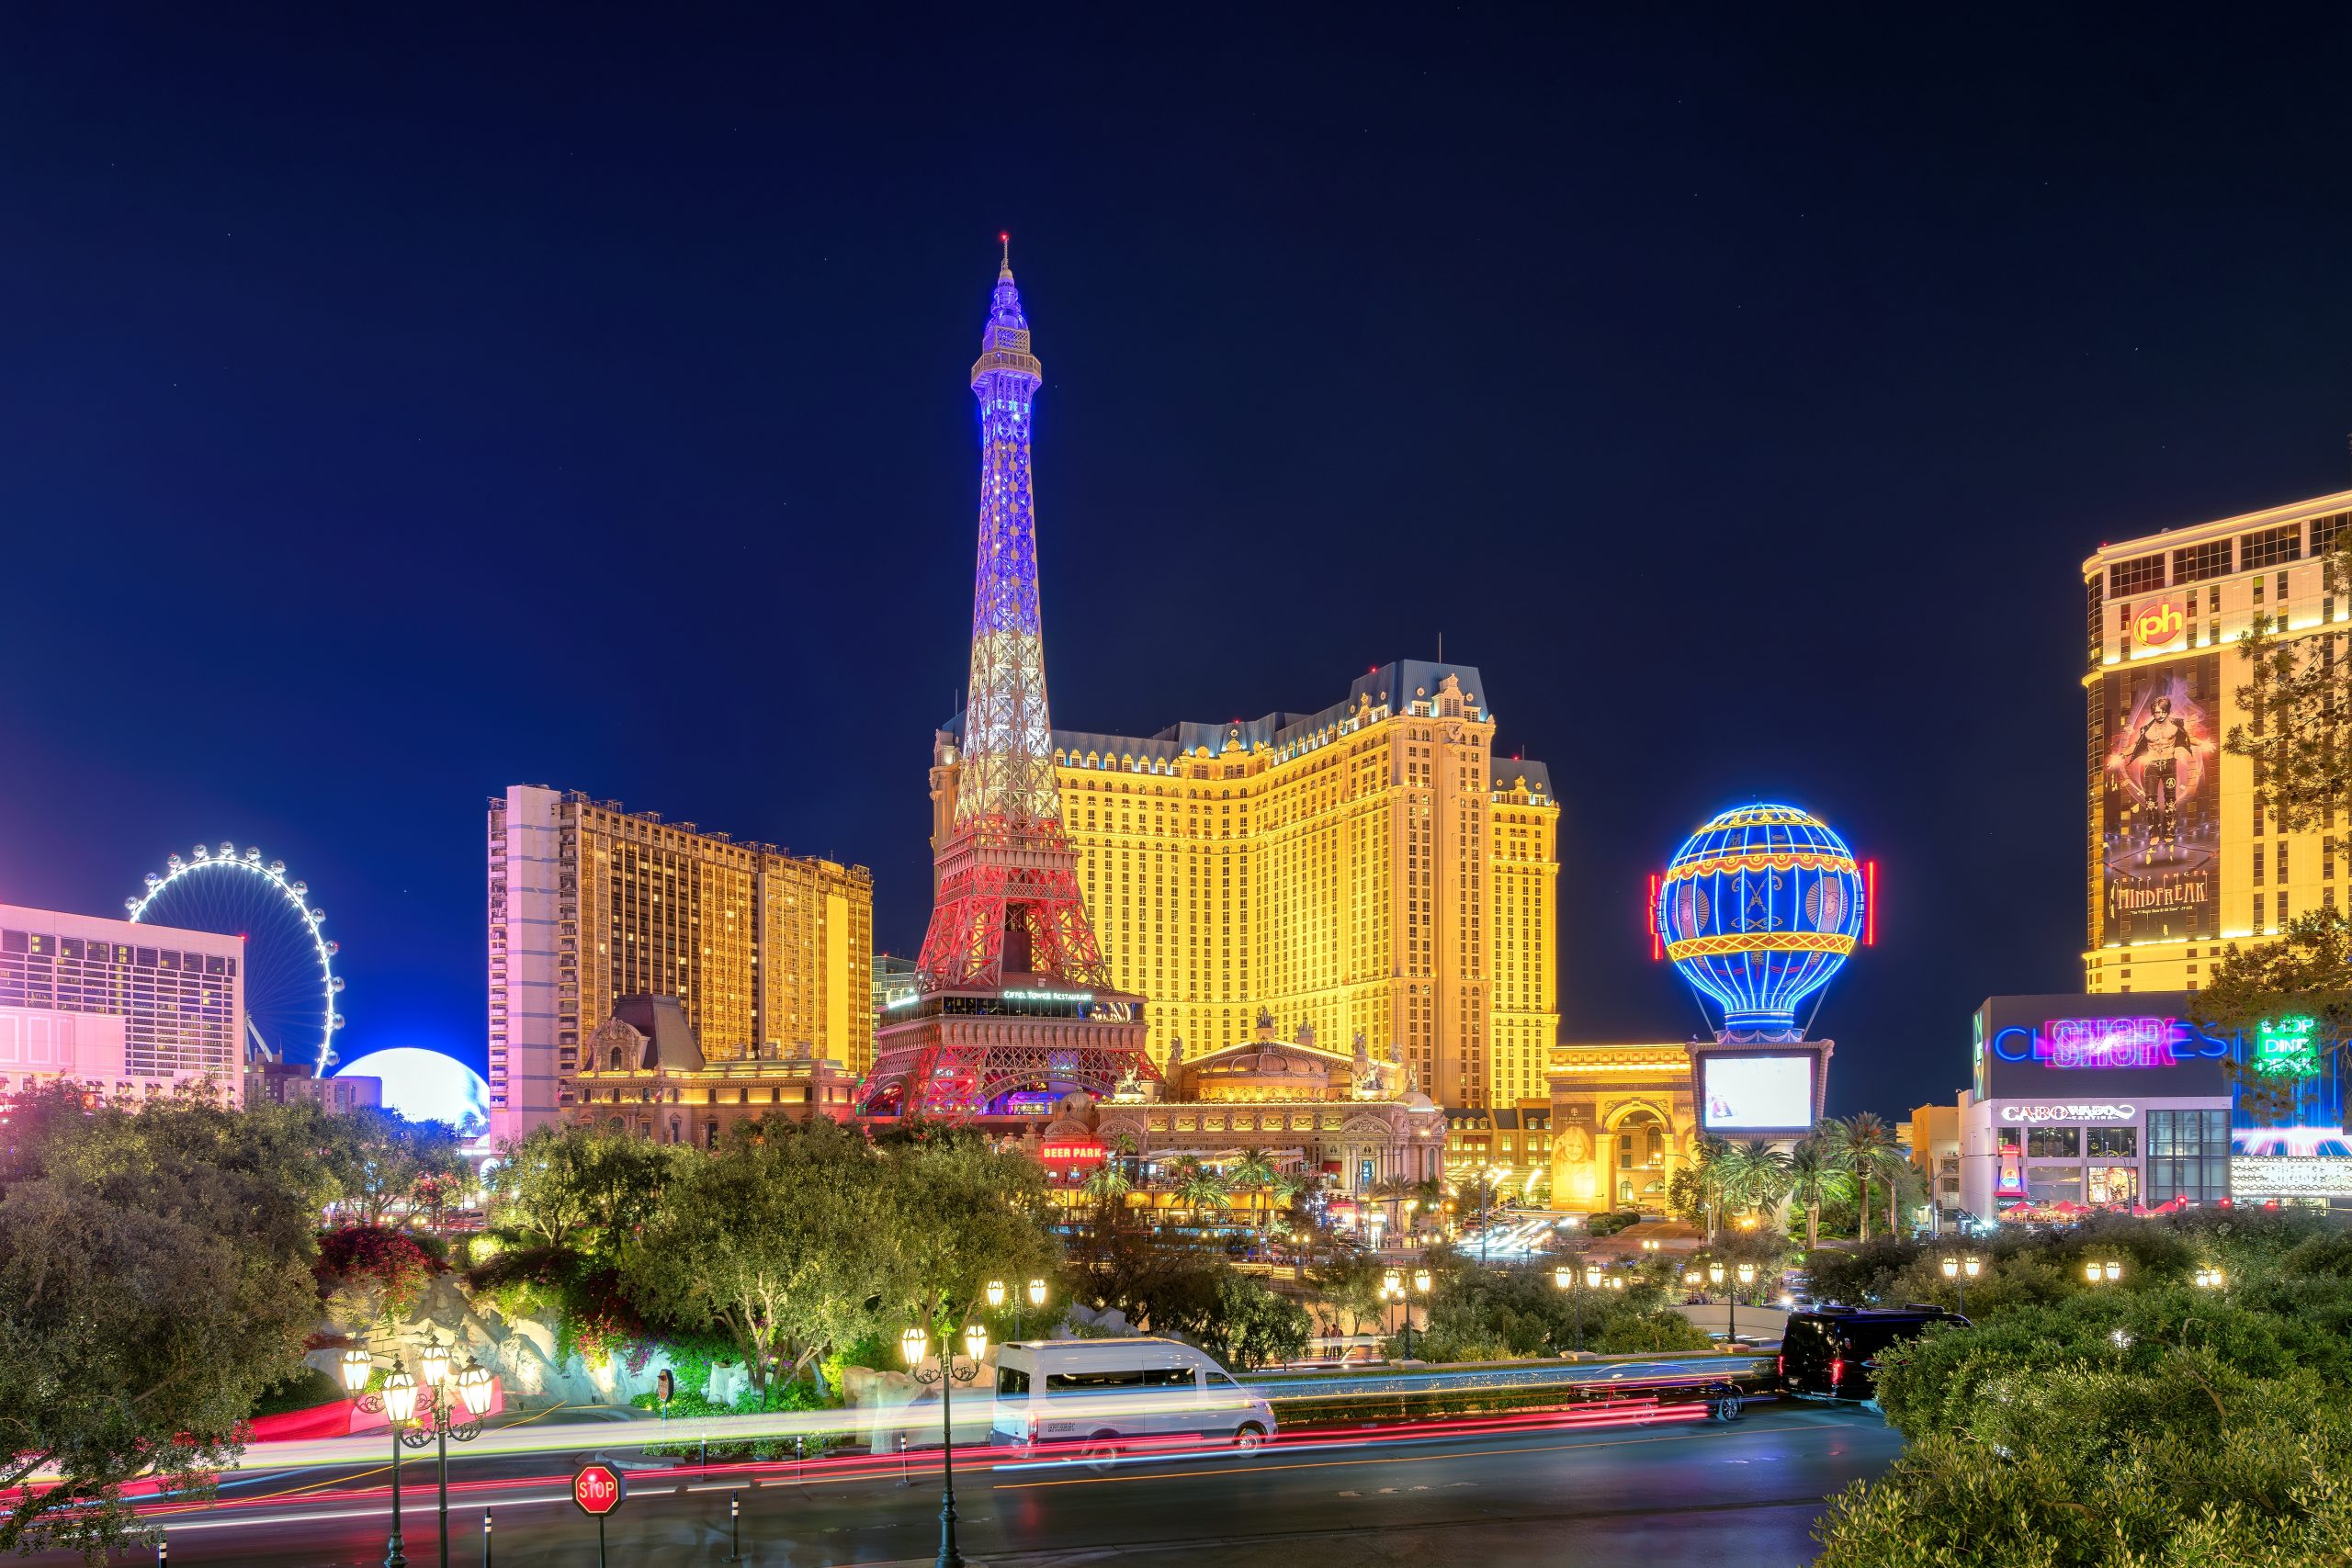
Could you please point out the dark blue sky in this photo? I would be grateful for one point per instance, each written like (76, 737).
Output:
(398, 405)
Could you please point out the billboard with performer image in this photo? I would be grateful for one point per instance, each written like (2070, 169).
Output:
(2159, 812)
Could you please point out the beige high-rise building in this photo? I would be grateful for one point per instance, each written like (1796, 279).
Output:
(590, 903)
(1372, 867)
(2182, 859)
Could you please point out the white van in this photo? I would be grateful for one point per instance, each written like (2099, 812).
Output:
(1097, 1391)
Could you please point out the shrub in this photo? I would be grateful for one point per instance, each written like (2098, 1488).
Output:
(306, 1390)
(369, 1273)
(1654, 1331)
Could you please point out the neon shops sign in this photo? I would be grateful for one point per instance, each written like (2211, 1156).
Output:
(2108, 1042)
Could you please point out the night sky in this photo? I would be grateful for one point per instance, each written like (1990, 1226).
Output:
(401, 404)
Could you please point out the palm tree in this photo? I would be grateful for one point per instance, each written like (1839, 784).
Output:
(1710, 1173)
(1391, 1192)
(1199, 1188)
(1108, 1185)
(1866, 1147)
(1754, 1175)
(1252, 1171)
(1815, 1177)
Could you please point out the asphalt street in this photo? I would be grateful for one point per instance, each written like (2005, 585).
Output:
(1667, 1497)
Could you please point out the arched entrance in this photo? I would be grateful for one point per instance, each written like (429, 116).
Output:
(1636, 1150)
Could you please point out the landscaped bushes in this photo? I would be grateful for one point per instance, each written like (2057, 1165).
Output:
(371, 1273)
(2148, 1421)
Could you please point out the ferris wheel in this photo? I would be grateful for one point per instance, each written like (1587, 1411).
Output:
(291, 983)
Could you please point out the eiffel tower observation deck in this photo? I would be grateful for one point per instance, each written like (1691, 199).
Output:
(1012, 1009)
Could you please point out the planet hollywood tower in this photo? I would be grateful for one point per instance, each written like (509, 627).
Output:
(1012, 1008)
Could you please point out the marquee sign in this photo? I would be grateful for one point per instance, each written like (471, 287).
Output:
(2288, 1175)
(1071, 1151)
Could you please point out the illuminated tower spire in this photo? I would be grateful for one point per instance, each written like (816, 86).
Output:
(1007, 785)
(1008, 879)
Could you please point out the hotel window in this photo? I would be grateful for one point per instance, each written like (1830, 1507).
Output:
(2282, 861)
(2213, 599)
(2325, 529)
(2053, 1143)
(2139, 575)
(2198, 562)
(2258, 913)
(2257, 864)
(2272, 546)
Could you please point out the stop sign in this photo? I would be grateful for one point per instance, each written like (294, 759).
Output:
(598, 1489)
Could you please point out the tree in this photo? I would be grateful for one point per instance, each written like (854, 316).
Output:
(1392, 1193)
(380, 1157)
(579, 1190)
(1753, 1174)
(1865, 1146)
(1252, 1172)
(1251, 1326)
(1816, 1178)
(952, 1214)
(762, 1240)
(2306, 973)
(1198, 1187)
(154, 1279)
(1108, 1185)
(2298, 699)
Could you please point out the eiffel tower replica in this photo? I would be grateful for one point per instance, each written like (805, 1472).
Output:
(1012, 1007)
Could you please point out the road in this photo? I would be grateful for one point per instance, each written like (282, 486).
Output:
(1659, 1497)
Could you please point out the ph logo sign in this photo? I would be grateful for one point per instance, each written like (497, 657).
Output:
(2159, 625)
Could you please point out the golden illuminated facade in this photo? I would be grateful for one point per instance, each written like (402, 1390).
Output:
(590, 904)
(1624, 1120)
(1373, 867)
(2181, 857)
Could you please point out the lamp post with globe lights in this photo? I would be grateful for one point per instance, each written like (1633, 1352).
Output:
(1036, 1300)
(397, 1400)
(915, 1346)
(450, 1404)
(2211, 1278)
(1960, 1271)
(2098, 1272)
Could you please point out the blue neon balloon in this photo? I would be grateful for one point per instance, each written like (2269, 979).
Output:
(1757, 909)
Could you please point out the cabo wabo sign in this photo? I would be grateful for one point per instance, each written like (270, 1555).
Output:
(2071, 1111)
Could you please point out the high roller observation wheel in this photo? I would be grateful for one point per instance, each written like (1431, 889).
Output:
(225, 868)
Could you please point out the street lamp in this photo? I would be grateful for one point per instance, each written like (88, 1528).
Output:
(1564, 1278)
(1716, 1277)
(914, 1345)
(452, 1407)
(2095, 1272)
(1421, 1288)
(1036, 1298)
(2211, 1278)
(1960, 1271)
(397, 1399)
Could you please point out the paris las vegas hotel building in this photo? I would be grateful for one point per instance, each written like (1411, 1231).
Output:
(1373, 866)
(2182, 860)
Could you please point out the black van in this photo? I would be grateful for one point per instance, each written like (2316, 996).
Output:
(1832, 1352)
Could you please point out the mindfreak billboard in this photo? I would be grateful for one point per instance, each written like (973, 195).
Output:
(2159, 816)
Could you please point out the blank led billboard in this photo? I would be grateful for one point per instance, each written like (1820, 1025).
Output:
(1755, 1092)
